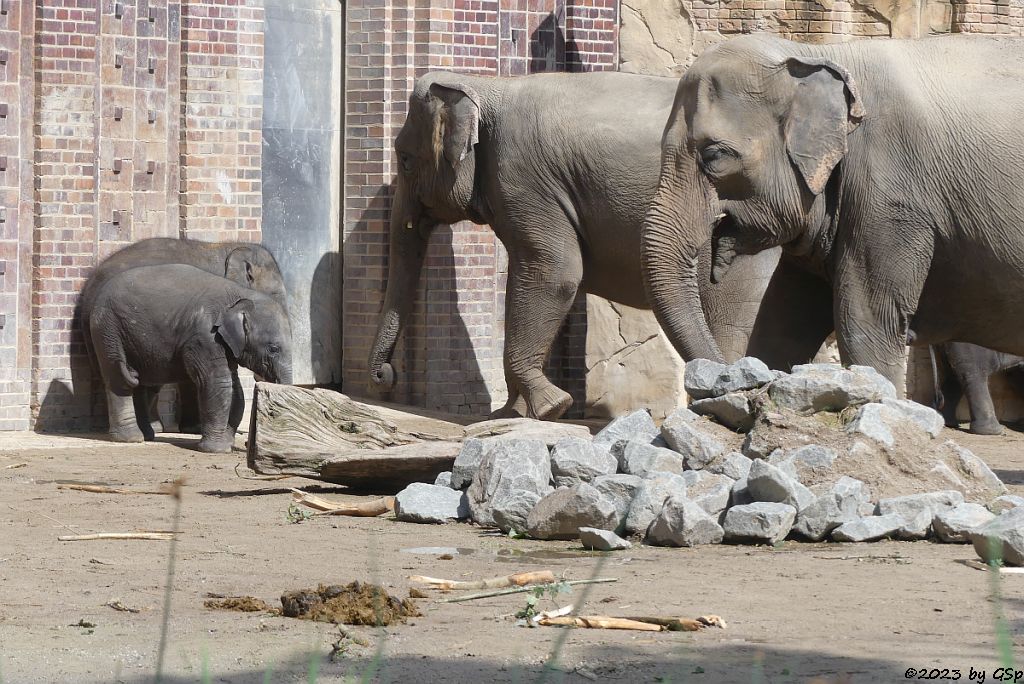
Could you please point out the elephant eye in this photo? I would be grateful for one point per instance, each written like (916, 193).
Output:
(274, 349)
(714, 157)
(405, 161)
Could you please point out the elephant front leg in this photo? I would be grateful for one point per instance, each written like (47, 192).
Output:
(188, 408)
(979, 399)
(237, 403)
(215, 397)
(147, 411)
(124, 426)
(540, 298)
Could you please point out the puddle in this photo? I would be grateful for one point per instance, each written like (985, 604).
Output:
(439, 551)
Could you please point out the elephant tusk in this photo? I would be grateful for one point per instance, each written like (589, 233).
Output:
(408, 225)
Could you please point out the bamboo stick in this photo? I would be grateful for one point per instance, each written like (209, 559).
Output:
(157, 536)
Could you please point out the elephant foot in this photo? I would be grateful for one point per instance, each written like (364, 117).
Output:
(504, 412)
(157, 426)
(986, 428)
(148, 432)
(219, 445)
(551, 403)
(126, 434)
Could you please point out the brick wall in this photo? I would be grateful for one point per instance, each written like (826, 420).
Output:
(124, 120)
(450, 356)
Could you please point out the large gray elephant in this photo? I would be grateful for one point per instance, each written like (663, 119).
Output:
(161, 324)
(562, 167)
(889, 171)
(249, 265)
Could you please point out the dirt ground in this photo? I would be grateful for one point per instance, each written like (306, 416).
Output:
(797, 613)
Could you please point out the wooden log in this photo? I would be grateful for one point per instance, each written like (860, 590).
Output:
(325, 435)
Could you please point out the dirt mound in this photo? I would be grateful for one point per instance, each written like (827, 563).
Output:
(357, 603)
(244, 604)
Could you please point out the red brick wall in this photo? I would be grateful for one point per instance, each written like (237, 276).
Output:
(124, 121)
(450, 356)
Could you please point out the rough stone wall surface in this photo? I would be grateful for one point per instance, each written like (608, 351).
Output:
(450, 356)
(118, 121)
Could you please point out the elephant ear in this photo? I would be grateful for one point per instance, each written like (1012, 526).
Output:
(238, 267)
(459, 121)
(824, 110)
(233, 325)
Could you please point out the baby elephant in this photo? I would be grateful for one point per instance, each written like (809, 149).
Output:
(156, 325)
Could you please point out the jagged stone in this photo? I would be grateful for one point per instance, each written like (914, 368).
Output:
(918, 511)
(697, 447)
(682, 413)
(700, 376)
(467, 462)
(637, 458)
(805, 463)
(602, 540)
(709, 491)
(745, 374)
(767, 483)
(833, 507)
(877, 421)
(427, 503)
(1004, 503)
(1008, 531)
(683, 523)
(444, 479)
(761, 522)
(576, 460)
(510, 509)
(975, 468)
(637, 426)
(731, 410)
(870, 528)
(955, 525)
(650, 497)
(829, 387)
(508, 465)
(562, 513)
(733, 465)
(927, 418)
(620, 490)
(740, 493)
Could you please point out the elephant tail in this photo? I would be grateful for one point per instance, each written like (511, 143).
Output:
(939, 401)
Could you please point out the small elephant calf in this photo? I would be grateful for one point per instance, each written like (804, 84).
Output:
(156, 325)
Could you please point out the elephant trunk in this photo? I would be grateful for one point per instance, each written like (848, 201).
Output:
(408, 246)
(678, 224)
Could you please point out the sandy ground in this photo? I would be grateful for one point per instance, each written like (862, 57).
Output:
(797, 613)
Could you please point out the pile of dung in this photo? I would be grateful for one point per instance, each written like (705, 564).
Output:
(245, 604)
(357, 603)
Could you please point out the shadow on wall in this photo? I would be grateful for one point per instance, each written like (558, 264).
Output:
(80, 407)
(325, 306)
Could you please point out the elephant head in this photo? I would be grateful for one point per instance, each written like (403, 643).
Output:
(754, 139)
(254, 267)
(257, 333)
(435, 185)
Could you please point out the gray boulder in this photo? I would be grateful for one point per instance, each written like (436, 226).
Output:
(918, 511)
(1002, 538)
(511, 509)
(732, 410)
(700, 376)
(621, 490)
(637, 458)
(745, 374)
(870, 528)
(602, 540)
(697, 447)
(955, 524)
(806, 462)
(761, 522)
(927, 418)
(467, 462)
(740, 493)
(576, 460)
(1004, 503)
(683, 523)
(975, 468)
(509, 465)
(766, 482)
(650, 497)
(833, 507)
(426, 503)
(709, 491)
(444, 479)
(877, 421)
(682, 413)
(829, 387)
(733, 465)
(562, 513)
(637, 426)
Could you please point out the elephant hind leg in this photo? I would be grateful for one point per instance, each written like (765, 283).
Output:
(145, 400)
(120, 382)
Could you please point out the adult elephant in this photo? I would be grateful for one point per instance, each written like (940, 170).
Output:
(249, 265)
(890, 173)
(562, 167)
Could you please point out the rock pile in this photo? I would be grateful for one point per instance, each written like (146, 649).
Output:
(824, 452)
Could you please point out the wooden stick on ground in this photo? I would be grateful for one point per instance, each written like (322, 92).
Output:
(520, 590)
(367, 509)
(157, 536)
(600, 622)
(15, 465)
(520, 579)
(101, 489)
(683, 624)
